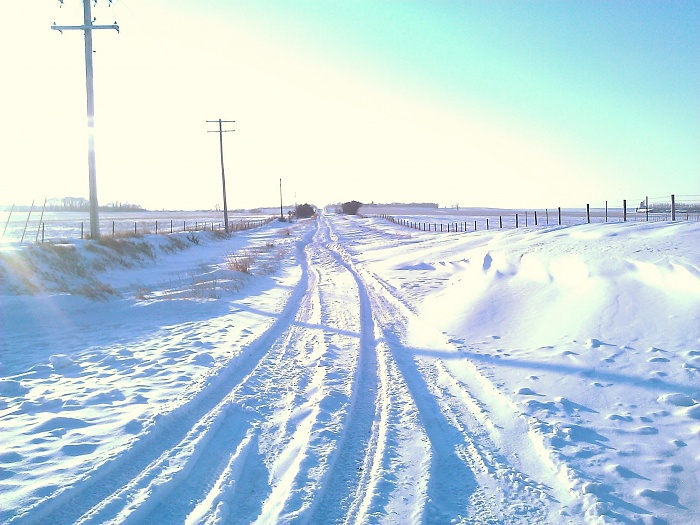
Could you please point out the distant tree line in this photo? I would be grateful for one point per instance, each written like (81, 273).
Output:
(57, 204)
(407, 204)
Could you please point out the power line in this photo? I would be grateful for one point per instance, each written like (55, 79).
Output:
(221, 132)
(87, 27)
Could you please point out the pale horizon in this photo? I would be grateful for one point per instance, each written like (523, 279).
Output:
(481, 104)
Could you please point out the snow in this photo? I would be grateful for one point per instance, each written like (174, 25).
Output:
(358, 372)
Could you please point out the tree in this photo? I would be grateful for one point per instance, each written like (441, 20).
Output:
(351, 207)
(304, 211)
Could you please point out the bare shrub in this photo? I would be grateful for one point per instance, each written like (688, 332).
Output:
(220, 234)
(193, 238)
(240, 263)
(142, 293)
(205, 288)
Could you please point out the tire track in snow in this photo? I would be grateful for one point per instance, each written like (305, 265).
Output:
(238, 492)
(451, 482)
(303, 467)
(111, 486)
(485, 434)
(348, 483)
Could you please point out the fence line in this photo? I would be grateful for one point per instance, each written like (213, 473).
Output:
(74, 229)
(650, 210)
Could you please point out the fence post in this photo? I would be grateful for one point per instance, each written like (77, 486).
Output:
(475, 224)
(646, 205)
(156, 226)
(500, 221)
(673, 207)
(546, 214)
(112, 228)
(624, 210)
(559, 211)
(516, 220)
(606, 211)
(82, 229)
(487, 224)
(526, 219)
(171, 226)
(535, 217)
(588, 213)
(134, 227)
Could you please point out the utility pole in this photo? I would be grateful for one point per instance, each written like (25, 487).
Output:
(88, 27)
(221, 153)
(281, 212)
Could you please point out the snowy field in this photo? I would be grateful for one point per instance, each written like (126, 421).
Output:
(29, 227)
(349, 370)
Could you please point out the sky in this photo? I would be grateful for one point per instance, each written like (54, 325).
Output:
(504, 104)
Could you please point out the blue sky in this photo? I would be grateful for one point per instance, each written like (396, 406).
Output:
(519, 104)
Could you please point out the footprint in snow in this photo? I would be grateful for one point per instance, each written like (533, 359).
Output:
(107, 398)
(676, 399)
(203, 359)
(133, 427)
(41, 405)
(655, 350)
(60, 423)
(12, 388)
(79, 450)
(693, 412)
(61, 361)
(582, 434)
(626, 473)
(662, 496)
(657, 373)
(618, 417)
(527, 391)
(10, 457)
(646, 431)
(570, 406)
(532, 406)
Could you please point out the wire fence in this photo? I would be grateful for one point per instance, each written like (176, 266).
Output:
(21, 228)
(657, 209)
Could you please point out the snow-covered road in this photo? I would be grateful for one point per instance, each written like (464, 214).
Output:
(324, 392)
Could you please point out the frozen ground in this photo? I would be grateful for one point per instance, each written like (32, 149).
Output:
(349, 370)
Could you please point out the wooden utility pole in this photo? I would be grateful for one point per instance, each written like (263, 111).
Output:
(221, 132)
(281, 212)
(88, 27)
